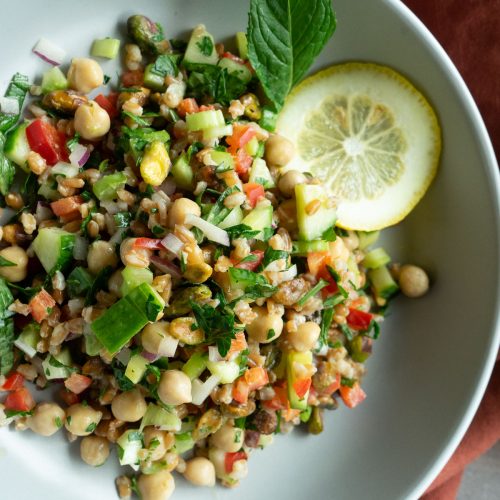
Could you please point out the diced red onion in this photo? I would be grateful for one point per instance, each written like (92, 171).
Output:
(9, 105)
(149, 356)
(168, 186)
(168, 346)
(49, 52)
(213, 354)
(81, 248)
(289, 273)
(212, 232)
(165, 266)
(172, 244)
(43, 212)
(201, 390)
(79, 155)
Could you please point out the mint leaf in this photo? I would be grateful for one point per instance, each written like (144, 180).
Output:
(7, 169)
(284, 38)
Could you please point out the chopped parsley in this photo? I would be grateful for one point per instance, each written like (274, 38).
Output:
(312, 292)
(206, 45)
(91, 427)
(270, 255)
(6, 263)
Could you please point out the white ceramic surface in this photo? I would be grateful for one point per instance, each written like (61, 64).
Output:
(434, 357)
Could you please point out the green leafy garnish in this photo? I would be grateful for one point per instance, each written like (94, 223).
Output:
(7, 169)
(17, 89)
(6, 263)
(91, 427)
(312, 292)
(270, 255)
(242, 231)
(206, 45)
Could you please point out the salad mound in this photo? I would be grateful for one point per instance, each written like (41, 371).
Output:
(188, 297)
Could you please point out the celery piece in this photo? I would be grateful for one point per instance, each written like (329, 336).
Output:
(227, 371)
(252, 146)
(216, 132)
(382, 282)
(183, 442)
(233, 218)
(367, 238)
(129, 445)
(300, 358)
(242, 44)
(268, 119)
(133, 277)
(259, 218)
(223, 159)
(195, 365)
(53, 79)
(205, 119)
(153, 80)
(376, 258)
(302, 248)
(54, 248)
(105, 47)
(28, 339)
(161, 418)
(182, 172)
(105, 189)
(136, 368)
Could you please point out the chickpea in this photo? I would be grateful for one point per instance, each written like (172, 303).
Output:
(228, 438)
(306, 335)
(279, 151)
(115, 283)
(132, 256)
(94, 450)
(157, 486)
(289, 180)
(91, 121)
(81, 420)
(179, 209)
(129, 406)
(413, 281)
(85, 75)
(47, 419)
(159, 442)
(200, 472)
(17, 256)
(101, 254)
(153, 335)
(260, 328)
(174, 388)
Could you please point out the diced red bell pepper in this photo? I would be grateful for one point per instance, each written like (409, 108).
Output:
(241, 390)
(242, 162)
(12, 382)
(67, 208)
(47, 141)
(254, 192)
(229, 55)
(242, 134)
(301, 386)
(149, 243)
(280, 398)
(108, 103)
(231, 458)
(187, 106)
(134, 78)
(253, 379)
(352, 396)
(19, 400)
(252, 265)
(77, 383)
(359, 320)
(40, 305)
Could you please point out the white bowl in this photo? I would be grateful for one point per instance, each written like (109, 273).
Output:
(432, 362)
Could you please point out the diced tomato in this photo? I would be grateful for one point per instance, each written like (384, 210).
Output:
(280, 398)
(45, 140)
(229, 55)
(252, 265)
(332, 287)
(253, 379)
(40, 305)
(238, 344)
(108, 103)
(254, 192)
(13, 382)
(187, 106)
(301, 386)
(359, 320)
(149, 243)
(289, 414)
(241, 390)
(242, 162)
(69, 398)
(207, 107)
(352, 396)
(77, 383)
(67, 208)
(241, 135)
(133, 78)
(231, 458)
(19, 400)
(317, 261)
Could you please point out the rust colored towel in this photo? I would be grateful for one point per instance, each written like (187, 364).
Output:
(470, 33)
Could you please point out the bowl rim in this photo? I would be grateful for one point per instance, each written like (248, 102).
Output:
(491, 168)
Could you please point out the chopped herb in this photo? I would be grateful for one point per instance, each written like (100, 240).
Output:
(122, 219)
(218, 252)
(329, 234)
(17, 413)
(347, 332)
(152, 309)
(240, 422)
(68, 420)
(6, 263)
(157, 230)
(241, 231)
(154, 443)
(334, 300)
(103, 166)
(134, 436)
(219, 212)
(164, 66)
(270, 334)
(58, 422)
(86, 221)
(119, 373)
(255, 284)
(206, 46)
(99, 283)
(312, 292)
(243, 359)
(326, 321)
(91, 427)
(271, 255)
(106, 79)
(183, 263)
(137, 119)
(249, 258)
(349, 382)
(71, 143)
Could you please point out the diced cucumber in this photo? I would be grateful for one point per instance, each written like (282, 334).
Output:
(129, 445)
(302, 248)
(92, 346)
(54, 79)
(227, 371)
(105, 188)
(153, 80)
(28, 339)
(261, 174)
(367, 238)
(252, 146)
(136, 368)
(259, 218)
(54, 248)
(240, 279)
(17, 148)
(133, 277)
(216, 132)
(161, 418)
(195, 365)
(302, 358)
(234, 218)
(78, 282)
(49, 193)
(268, 119)
(205, 119)
(382, 282)
(236, 69)
(376, 258)
(265, 440)
(57, 366)
(106, 47)
(242, 44)
(66, 169)
(223, 159)
(200, 49)
(182, 172)
(320, 219)
(183, 442)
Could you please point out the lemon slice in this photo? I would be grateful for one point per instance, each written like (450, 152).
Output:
(369, 135)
